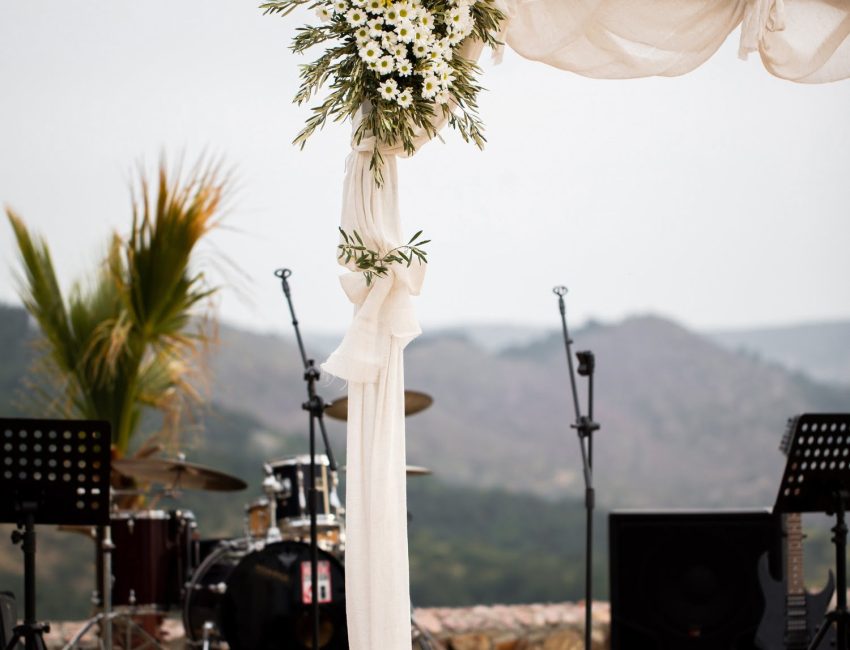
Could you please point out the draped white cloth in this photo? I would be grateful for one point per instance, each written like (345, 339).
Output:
(800, 40)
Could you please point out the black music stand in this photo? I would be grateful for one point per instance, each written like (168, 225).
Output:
(51, 472)
(817, 479)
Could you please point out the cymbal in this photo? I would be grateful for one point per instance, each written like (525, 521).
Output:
(414, 402)
(88, 531)
(415, 470)
(410, 470)
(177, 473)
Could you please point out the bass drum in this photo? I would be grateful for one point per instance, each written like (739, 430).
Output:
(260, 599)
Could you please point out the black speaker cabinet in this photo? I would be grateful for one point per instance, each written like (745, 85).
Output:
(682, 580)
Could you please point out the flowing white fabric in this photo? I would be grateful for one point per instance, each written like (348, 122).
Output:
(801, 40)
(370, 358)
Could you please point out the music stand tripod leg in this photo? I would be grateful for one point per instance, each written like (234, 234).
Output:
(840, 615)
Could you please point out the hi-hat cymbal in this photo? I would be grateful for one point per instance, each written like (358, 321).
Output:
(177, 474)
(414, 402)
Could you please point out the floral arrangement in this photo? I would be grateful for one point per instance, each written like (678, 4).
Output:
(398, 60)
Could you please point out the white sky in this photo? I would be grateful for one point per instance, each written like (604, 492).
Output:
(719, 198)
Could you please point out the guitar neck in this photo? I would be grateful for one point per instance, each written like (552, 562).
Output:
(793, 524)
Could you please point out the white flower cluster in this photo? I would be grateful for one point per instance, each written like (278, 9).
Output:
(400, 40)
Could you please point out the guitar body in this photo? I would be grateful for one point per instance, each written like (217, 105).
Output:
(781, 626)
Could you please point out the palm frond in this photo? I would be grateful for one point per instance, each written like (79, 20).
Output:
(126, 341)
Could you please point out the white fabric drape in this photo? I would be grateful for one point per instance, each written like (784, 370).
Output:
(370, 358)
(800, 40)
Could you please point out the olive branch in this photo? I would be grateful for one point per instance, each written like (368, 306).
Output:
(372, 263)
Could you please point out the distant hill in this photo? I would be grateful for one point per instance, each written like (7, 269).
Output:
(820, 350)
(685, 421)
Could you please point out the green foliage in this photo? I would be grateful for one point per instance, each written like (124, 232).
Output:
(475, 546)
(372, 263)
(125, 341)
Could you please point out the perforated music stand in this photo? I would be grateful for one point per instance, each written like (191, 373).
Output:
(817, 479)
(51, 472)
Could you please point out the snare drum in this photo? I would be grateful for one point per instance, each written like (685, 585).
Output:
(258, 517)
(152, 560)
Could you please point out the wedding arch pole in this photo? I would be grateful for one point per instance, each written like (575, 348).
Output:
(315, 406)
(584, 426)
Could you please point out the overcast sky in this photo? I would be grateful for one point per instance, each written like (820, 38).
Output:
(718, 199)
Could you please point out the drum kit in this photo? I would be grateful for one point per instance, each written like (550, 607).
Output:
(250, 592)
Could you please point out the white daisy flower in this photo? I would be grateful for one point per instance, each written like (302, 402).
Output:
(399, 50)
(376, 27)
(361, 35)
(439, 66)
(442, 97)
(375, 6)
(426, 19)
(404, 30)
(356, 17)
(404, 98)
(455, 38)
(388, 89)
(341, 6)
(421, 49)
(389, 41)
(370, 52)
(459, 18)
(430, 87)
(323, 13)
(403, 68)
(404, 11)
(391, 15)
(445, 48)
(446, 77)
(386, 64)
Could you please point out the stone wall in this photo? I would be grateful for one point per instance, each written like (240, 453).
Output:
(516, 627)
(557, 626)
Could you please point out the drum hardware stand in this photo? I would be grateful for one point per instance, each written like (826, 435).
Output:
(272, 487)
(315, 406)
(107, 615)
(584, 426)
(817, 479)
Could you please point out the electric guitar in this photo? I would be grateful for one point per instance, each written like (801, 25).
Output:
(791, 614)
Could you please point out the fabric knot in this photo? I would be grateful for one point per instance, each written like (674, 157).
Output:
(760, 16)
(383, 312)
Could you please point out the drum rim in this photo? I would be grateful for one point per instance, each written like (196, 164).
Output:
(154, 514)
(261, 502)
(303, 522)
(236, 545)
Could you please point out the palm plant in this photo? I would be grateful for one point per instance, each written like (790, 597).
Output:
(131, 339)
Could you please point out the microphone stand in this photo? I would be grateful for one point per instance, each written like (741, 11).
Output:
(315, 406)
(584, 426)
